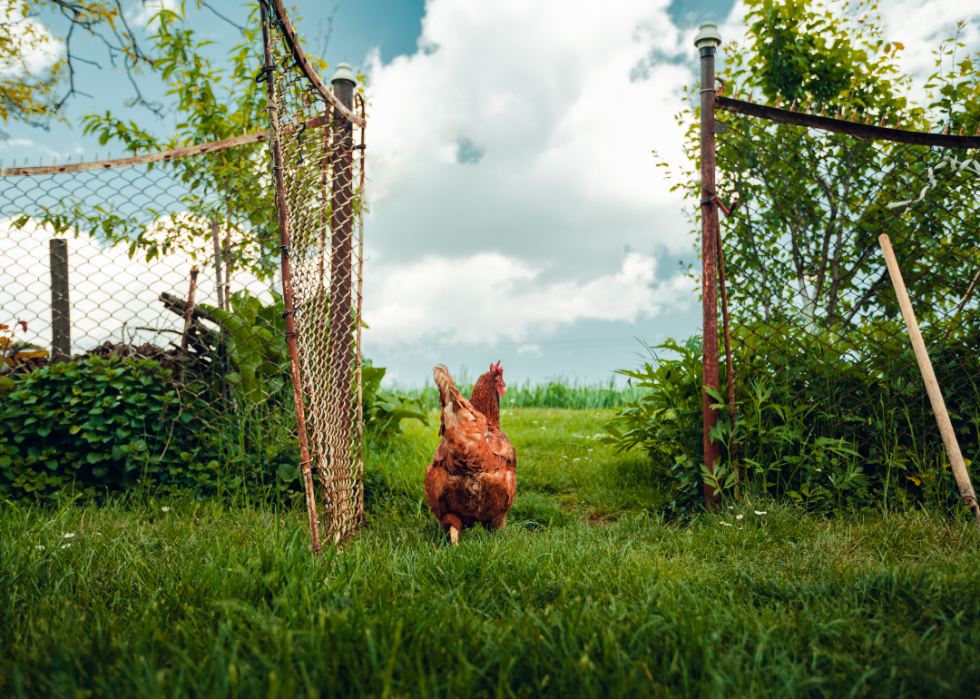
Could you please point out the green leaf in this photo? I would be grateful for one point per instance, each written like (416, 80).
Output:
(288, 472)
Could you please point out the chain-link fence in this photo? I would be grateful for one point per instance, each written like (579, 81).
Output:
(179, 257)
(816, 325)
(318, 172)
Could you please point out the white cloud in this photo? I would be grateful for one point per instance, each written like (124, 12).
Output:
(38, 59)
(511, 174)
(141, 13)
(37, 150)
(107, 289)
(488, 297)
(517, 129)
(529, 349)
(921, 25)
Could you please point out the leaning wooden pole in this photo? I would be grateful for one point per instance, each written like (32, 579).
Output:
(287, 282)
(932, 385)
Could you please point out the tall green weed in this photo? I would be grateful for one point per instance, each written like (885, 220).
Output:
(820, 421)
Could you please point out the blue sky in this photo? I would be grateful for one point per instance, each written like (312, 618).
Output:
(516, 214)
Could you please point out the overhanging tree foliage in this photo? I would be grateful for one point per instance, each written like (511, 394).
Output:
(814, 202)
(224, 191)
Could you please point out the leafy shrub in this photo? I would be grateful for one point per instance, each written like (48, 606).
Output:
(100, 425)
(667, 420)
(257, 345)
(96, 425)
(384, 409)
(810, 428)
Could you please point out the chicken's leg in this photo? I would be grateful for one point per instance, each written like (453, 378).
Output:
(452, 523)
(498, 523)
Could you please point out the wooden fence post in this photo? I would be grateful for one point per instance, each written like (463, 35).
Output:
(60, 305)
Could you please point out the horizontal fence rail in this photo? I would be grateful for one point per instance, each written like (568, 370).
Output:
(815, 324)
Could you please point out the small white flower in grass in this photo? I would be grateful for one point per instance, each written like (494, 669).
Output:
(165, 509)
(39, 547)
(590, 450)
(70, 535)
(64, 546)
(761, 512)
(726, 524)
(731, 507)
(738, 516)
(576, 459)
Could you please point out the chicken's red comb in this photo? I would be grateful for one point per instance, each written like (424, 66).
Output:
(495, 368)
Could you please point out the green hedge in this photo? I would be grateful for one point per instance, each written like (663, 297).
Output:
(99, 425)
(826, 420)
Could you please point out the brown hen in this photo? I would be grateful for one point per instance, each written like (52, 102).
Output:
(472, 477)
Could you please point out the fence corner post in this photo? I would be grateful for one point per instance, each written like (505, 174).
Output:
(707, 40)
(60, 304)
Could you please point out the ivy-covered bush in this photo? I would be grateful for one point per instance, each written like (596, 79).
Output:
(98, 425)
(101, 425)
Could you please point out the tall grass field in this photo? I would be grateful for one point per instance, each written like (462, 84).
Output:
(588, 592)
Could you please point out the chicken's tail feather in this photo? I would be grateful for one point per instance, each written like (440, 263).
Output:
(447, 387)
(455, 408)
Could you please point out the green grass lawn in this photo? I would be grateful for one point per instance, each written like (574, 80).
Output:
(587, 593)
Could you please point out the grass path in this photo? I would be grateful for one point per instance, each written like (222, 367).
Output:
(585, 594)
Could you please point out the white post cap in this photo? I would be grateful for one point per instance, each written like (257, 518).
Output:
(708, 36)
(344, 72)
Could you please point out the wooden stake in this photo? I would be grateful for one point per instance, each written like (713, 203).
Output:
(189, 312)
(219, 287)
(960, 473)
(729, 366)
(60, 305)
(228, 268)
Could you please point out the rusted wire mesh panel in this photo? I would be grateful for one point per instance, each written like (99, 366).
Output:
(814, 313)
(322, 156)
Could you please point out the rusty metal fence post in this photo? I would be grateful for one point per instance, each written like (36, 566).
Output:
(287, 289)
(706, 41)
(341, 246)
